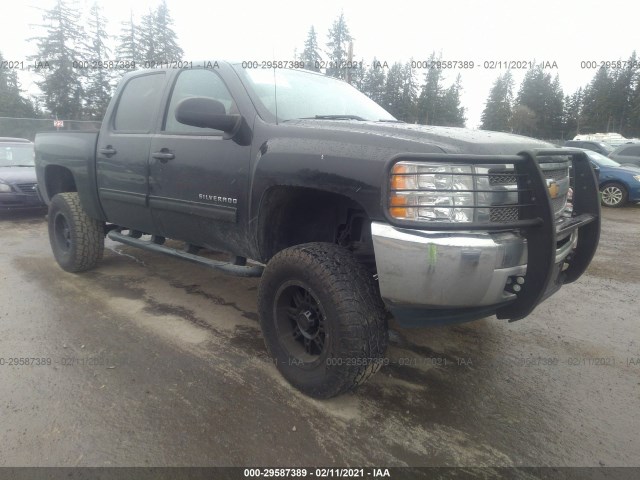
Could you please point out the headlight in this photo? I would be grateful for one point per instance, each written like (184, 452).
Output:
(4, 188)
(432, 192)
(477, 192)
(637, 177)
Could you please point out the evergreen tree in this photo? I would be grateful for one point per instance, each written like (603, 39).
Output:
(338, 47)
(392, 93)
(409, 95)
(61, 43)
(624, 80)
(523, 120)
(166, 38)
(373, 83)
(128, 49)
(610, 101)
(596, 110)
(357, 76)
(634, 114)
(431, 96)
(157, 40)
(311, 53)
(572, 114)
(98, 88)
(39, 110)
(147, 38)
(12, 103)
(543, 96)
(555, 102)
(452, 114)
(497, 112)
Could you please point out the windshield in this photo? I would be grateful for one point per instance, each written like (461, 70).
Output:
(16, 154)
(301, 94)
(601, 160)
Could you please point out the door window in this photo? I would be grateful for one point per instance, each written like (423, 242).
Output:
(137, 105)
(197, 83)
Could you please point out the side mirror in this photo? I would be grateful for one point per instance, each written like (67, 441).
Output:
(206, 113)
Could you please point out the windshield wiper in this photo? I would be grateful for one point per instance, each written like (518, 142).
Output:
(335, 117)
(391, 121)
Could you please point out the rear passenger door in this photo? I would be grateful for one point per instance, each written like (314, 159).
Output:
(198, 178)
(122, 153)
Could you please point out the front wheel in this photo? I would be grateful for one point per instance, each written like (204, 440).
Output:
(614, 195)
(322, 319)
(77, 240)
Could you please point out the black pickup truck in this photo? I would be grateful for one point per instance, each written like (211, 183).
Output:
(347, 214)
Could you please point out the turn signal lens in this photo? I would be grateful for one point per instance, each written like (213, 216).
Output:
(396, 210)
(398, 177)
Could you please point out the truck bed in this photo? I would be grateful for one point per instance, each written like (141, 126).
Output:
(75, 150)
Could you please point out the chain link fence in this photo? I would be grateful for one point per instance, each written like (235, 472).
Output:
(28, 127)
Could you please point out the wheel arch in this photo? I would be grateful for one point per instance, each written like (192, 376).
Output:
(293, 215)
(62, 179)
(58, 179)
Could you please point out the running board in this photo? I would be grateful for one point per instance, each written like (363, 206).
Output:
(226, 267)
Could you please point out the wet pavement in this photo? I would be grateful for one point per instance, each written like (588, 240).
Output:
(147, 360)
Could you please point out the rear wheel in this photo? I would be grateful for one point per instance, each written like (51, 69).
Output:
(614, 195)
(322, 319)
(77, 240)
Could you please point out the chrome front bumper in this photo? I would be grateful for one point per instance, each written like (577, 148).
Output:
(450, 269)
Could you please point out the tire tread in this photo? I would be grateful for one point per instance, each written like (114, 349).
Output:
(362, 323)
(87, 233)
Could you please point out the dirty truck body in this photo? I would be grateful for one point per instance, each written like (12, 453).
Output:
(347, 214)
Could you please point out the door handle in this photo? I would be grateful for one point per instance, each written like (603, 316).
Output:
(108, 151)
(164, 155)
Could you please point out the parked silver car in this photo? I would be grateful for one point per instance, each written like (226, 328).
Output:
(627, 154)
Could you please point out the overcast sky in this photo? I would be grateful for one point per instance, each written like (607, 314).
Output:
(545, 31)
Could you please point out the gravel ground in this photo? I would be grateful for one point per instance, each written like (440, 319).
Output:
(151, 361)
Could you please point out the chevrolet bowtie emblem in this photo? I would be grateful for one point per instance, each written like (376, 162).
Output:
(553, 189)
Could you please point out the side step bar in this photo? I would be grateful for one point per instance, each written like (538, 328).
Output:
(226, 267)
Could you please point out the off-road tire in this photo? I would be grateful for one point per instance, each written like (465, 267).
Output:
(77, 240)
(354, 318)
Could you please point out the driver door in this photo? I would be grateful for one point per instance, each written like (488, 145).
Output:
(197, 178)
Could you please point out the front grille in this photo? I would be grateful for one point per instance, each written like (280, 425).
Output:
(556, 173)
(559, 175)
(504, 215)
(28, 188)
(558, 204)
(505, 180)
(496, 178)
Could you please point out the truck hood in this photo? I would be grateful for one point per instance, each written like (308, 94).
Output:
(449, 139)
(14, 175)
